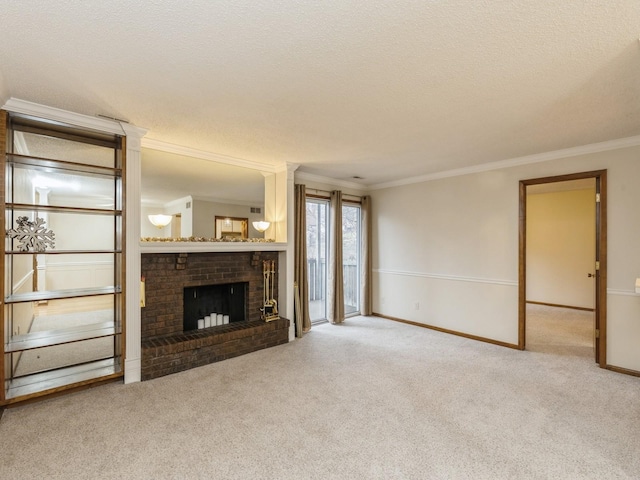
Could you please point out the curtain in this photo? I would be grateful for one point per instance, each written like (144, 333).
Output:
(335, 285)
(365, 249)
(302, 321)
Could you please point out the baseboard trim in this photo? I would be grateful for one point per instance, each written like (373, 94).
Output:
(451, 332)
(584, 309)
(132, 370)
(624, 371)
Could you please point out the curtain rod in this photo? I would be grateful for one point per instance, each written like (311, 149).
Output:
(317, 190)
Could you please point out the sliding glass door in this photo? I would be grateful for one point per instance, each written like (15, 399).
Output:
(351, 257)
(317, 253)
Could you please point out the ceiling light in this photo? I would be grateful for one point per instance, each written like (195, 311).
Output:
(160, 220)
(261, 226)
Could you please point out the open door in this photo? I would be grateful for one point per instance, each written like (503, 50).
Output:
(600, 261)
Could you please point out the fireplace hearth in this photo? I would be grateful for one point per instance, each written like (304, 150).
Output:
(183, 288)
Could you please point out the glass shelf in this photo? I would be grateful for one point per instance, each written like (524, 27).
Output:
(50, 338)
(58, 294)
(56, 379)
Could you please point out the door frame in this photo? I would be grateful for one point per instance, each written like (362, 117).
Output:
(600, 177)
(324, 201)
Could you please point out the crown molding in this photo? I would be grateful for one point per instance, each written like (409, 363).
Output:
(228, 201)
(330, 181)
(192, 198)
(204, 155)
(24, 107)
(134, 135)
(518, 161)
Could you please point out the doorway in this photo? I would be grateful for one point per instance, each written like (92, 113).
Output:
(176, 226)
(595, 271)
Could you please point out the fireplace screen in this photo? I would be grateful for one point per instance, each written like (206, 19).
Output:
(219, 304)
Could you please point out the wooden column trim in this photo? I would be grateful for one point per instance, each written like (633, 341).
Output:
(522, 266)
(601, 275)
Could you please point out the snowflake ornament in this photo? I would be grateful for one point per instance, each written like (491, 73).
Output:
(32, 235)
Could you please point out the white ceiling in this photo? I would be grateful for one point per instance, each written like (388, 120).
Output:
(384, 90)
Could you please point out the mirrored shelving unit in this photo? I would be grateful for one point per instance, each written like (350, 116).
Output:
(63, 257)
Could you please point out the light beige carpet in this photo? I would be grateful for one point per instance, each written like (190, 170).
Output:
(563, 331)
(371, 399)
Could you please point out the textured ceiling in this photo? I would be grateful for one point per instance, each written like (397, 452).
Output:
(381, 90)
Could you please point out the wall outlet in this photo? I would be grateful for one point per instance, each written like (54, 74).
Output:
(417, 306)
(383, 300)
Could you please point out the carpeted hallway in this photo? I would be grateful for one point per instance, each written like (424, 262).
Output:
(368, 399)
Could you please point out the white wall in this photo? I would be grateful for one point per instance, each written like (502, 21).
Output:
(451, 246)
(4, 91)
(561, 248)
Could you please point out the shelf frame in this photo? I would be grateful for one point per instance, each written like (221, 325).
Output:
(51, 379)
(47, 164)
(58, 209)
(60, 252)
(60, 294)
(52, 338)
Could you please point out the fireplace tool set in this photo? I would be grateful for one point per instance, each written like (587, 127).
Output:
(270, 305)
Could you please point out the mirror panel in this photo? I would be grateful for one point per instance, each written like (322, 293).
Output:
(231, 227)
(45, 146)
(195, 191)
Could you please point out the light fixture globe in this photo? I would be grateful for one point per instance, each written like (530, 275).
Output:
(261, 226)
(160, 220)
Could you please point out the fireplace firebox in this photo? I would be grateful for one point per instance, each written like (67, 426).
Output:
(227, 300)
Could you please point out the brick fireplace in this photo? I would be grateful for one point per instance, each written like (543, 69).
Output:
(166, 346)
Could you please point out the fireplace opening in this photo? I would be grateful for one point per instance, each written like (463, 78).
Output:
(212, 305)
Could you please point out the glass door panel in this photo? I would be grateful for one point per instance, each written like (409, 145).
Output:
(317, 252)
(351, 258)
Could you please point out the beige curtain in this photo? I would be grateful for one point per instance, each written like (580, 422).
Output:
(365, 248)
(335, 285)
(302, 321)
